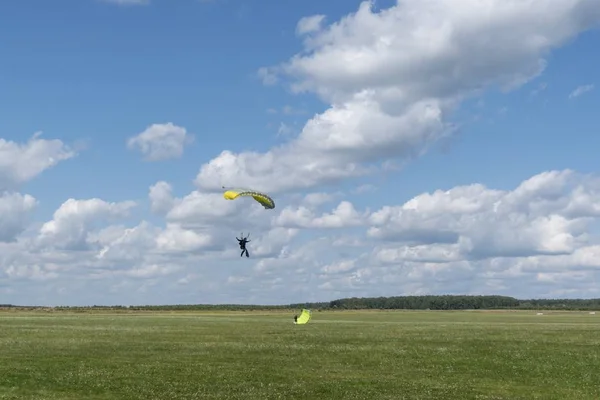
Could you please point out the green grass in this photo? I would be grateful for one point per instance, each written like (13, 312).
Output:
(262, 355)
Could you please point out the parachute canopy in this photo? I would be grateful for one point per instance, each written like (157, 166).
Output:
(304, 317)
(266, 201)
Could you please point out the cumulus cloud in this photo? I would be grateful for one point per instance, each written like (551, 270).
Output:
(161, 197)
(73, 220)
(161, 141)
(198, 208)
(529, 241)
(15, 209)
(392, 79)
(120, 244)
(547, 215)
(318, 198)
(21, 162)
(337, 267)
(177, 239)
(343, 216)
(533, 240)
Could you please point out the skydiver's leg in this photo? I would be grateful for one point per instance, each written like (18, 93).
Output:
(242, 253)
(247, 254)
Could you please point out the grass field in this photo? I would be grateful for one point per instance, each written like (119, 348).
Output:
(263, 355)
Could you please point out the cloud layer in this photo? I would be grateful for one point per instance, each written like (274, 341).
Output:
(534, 240)
(391, 79)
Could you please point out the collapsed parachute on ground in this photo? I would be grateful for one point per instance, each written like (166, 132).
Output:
(303, 318)
(266, 201)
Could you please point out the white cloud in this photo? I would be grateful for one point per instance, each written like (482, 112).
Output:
(177, 239)
(344, 215)
(392, 79)
(21, 162)
(548, 214)
(151, 271)
(273, 243)
(310, 24)
(579, 90)
(316, 199)
(469, 239)
(161, 197)
(34, 272)
(74, 219)
(534, 240)
(119, 244)
(161, 141)
(200, 208)
(15, 209)
(337, 267)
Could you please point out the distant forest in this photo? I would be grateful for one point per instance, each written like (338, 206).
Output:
(445, 302)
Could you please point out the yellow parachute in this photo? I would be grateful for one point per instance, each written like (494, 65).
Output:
(303, 318)
(266, 201)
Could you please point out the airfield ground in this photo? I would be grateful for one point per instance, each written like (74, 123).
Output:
(262, 355)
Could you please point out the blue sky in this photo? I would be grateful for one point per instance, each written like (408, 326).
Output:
(93, 74)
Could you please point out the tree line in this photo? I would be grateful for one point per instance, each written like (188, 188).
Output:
(442, 302)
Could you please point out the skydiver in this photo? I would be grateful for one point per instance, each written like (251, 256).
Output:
(242, 242)
(295, 319)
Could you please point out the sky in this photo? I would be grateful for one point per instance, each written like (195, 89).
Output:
(411, 147)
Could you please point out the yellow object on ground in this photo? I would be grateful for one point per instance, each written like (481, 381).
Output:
(304, 317)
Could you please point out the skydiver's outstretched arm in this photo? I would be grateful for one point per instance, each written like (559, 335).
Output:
(248, 240)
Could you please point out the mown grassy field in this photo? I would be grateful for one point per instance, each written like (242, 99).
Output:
(263, 355)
